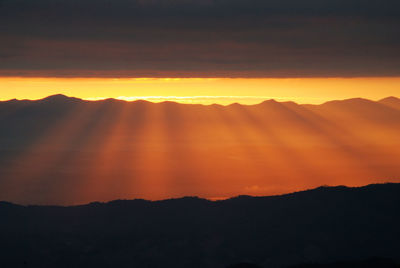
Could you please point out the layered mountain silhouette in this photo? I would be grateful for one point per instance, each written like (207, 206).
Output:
(391, 102)
(62, 150)
(323, 227)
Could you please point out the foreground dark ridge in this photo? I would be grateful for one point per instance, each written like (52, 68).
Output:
(205, 200)
(323, 225)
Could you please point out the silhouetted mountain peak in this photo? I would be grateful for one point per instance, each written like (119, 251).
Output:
(351, 101)
(390, 98)
(59, 98)
(112, 101)
(374, 110)
(169, 103)
(391, 101)
(141, 102)
(270, 101)
(291, 103)
(272, 105)
(235, 104)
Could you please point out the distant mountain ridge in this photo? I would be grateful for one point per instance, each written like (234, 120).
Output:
(323, 225)
(65, 98)
(62, 150)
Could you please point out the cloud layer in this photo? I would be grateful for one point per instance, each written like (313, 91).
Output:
(193, 38)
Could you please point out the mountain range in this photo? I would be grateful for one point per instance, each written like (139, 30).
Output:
(67, 151)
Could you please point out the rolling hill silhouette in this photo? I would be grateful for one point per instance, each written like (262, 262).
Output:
(337, 225)
(62, 150)
(391, 102)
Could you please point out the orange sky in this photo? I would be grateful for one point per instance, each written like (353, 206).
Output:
(202, 90)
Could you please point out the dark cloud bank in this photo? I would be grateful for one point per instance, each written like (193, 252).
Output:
(236, 38)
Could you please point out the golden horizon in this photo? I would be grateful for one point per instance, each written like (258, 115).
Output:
(201, 90)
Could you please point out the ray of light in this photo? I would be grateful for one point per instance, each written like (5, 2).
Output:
(150, 158)
(106, 162)
(289, 167)
(155, 151)
(31, 166)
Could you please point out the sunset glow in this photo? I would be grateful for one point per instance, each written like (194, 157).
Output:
(199, 133)
(201, 90)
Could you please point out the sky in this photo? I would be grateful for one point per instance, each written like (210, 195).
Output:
(257, 39)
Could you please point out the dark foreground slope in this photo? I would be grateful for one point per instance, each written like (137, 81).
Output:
(323, 225)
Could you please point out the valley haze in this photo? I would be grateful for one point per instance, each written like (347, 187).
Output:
(63, 150)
